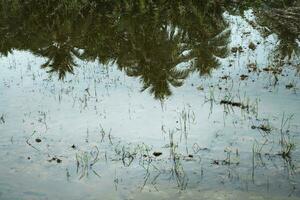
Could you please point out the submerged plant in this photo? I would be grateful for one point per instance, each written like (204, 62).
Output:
(85, 162)
(2, 120)
(177, 170)
(287, 144)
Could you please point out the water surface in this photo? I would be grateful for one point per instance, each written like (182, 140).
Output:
(144, 100)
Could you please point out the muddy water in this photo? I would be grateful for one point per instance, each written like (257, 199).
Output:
(144, 104)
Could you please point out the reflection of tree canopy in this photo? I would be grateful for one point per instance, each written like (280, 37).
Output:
(148, 39)
(286, 24)
(281, 17)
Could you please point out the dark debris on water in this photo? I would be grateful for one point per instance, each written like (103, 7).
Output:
(234, 104)
(55, 159)
(262, 127)
(252, 46)
(38, 140)
(156, 154)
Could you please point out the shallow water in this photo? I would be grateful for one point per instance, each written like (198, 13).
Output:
(147, 102)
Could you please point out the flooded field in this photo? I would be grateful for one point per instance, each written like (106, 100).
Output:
(149, 99)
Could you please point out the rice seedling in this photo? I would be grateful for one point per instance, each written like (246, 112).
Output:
(210, 99)
(85, 162)
(286, 142)
(186, 118)
(29, 143)
(104, 133)
(177, 170)
(2, 119)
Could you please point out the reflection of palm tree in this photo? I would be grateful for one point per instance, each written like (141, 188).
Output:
(283, 22)
(155, 40)
(60, 58)
(60, 50)
(287, 48)
(203, 26)
(151, 52)
(99, 40)
(207, 52)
